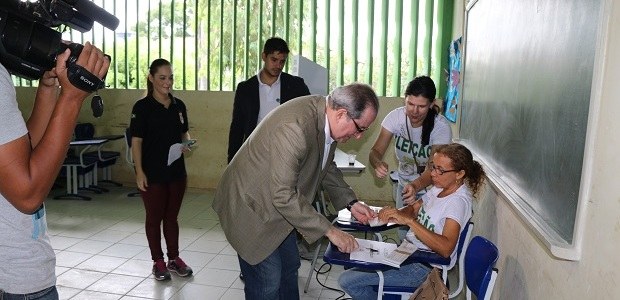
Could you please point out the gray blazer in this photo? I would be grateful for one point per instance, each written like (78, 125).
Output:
(268, 188)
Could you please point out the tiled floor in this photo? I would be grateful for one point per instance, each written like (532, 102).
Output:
(102, 252)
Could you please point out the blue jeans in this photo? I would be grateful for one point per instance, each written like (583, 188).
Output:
(49, 293)
(276, 276)
(358, 283)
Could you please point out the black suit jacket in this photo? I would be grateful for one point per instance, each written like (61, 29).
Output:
(247, 106)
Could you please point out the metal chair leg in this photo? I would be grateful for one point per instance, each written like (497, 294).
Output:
(313, 264)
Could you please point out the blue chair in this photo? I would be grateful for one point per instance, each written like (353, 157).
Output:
(478, 265)
(463, 244)
(345, 222)
(480, 271)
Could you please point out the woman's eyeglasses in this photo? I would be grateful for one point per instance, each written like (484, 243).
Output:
(439, 170)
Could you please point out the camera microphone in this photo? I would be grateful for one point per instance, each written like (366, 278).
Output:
(99, 14)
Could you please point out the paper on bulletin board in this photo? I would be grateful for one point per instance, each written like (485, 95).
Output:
(454, 77)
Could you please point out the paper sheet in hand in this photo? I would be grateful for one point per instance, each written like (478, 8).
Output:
(383, 253)
(344, 215)
(175, 152)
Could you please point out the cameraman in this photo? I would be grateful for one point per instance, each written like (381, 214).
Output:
(31, 154)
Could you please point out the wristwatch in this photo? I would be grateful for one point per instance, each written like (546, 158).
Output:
(351, 204)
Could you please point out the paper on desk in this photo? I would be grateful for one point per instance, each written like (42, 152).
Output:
(383, 253)
(381, 250)
(176, 150)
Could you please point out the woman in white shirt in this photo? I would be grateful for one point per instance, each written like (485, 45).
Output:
(435, 222)
(416, 127)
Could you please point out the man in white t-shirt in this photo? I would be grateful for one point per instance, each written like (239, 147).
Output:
(31, 154)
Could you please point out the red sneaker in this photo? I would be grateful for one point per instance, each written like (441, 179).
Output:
(178, 266)
(160, 271)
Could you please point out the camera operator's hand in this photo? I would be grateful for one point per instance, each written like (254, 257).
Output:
(91, 58)
(30, 163)
(49, 79)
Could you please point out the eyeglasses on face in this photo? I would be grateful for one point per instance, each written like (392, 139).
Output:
(359, 129)
(439, 170)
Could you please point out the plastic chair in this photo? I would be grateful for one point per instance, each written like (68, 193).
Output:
(129, 157)
(106, 159)
(463, 244)
(334, 256)
(80, 169)
(77, 172)
(480, 271)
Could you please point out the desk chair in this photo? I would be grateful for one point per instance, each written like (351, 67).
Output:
(77, 168)
(129, 157)
(86, 174)
(106, 159)
(334, 256)
(463, 244)
(340, 222)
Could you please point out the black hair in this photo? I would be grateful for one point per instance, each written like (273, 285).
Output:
(275, 44)
(425, 87)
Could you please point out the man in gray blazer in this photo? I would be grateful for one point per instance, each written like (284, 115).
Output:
(266, 192)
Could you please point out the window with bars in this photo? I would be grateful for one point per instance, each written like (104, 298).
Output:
(215, 44)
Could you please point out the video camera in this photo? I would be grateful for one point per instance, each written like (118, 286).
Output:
(29, 46)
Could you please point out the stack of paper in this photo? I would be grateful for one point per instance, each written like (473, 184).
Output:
(383, 253)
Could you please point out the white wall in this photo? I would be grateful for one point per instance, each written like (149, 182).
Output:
(526, 269)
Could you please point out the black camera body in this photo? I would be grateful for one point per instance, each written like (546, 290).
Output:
(29, 45)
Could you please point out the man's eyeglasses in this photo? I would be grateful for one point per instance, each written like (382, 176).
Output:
(439, 170)
(359, 129)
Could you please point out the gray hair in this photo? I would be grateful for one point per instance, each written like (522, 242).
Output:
(355, 98)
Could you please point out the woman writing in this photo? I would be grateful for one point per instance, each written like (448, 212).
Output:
(435, 221)
(158, 121)
(417, 127)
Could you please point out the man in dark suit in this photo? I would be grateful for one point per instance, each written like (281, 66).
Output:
(263, 92)
(265, 194)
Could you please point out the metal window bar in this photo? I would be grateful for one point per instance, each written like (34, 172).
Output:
(340, 49)
(370, 18)
(354, 40)
(327, 41)
(300, 18)
(412, 39)
(383, 50)
(397, 52)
